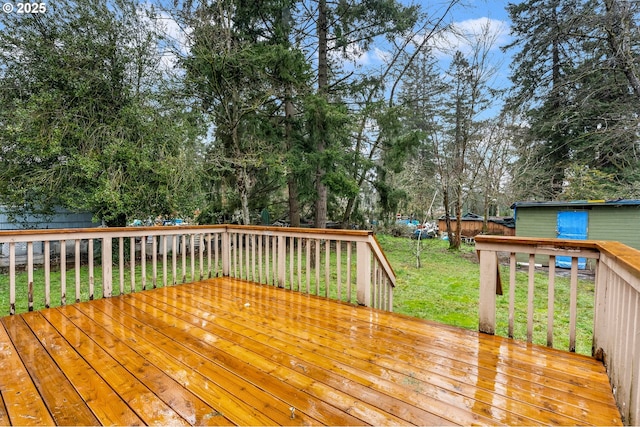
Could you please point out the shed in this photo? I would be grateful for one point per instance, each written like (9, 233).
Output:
(617, 220)
(472, 225)
(59, 218)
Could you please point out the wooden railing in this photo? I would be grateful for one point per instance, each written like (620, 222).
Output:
(342, 264)
(616, 302)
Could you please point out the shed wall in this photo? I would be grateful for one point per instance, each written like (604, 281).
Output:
(619, 223)
(62, 218)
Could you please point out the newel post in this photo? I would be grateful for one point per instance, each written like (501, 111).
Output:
(487, 302)
(107, 266)
(363, 273)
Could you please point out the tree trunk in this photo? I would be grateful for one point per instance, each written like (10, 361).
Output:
(244, 188)
(447, 215)
(323, 84)
(455, 243)
(292, 185)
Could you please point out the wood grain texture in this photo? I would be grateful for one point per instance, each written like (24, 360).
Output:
(230, 352)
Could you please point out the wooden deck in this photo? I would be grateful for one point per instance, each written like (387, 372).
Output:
(229, 352)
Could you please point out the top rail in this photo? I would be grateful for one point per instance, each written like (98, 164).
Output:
(615, 307)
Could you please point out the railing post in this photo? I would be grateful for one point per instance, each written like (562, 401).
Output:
(226, 250)
(363, 273)
(600, 311)
(487, 302)
(107, 267)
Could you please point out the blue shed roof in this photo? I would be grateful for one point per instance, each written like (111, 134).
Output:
(578, 203)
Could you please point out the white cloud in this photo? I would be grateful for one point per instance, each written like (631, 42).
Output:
(463, 35)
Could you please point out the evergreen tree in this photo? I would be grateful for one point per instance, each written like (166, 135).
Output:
(87, 122)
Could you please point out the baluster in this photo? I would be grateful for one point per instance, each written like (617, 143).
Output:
(299, 242)
(154, 261)
(551, 299)
(573, 304)
(183, 246)
(317, 265)
(209, 238)
(247, 255)
(120, 263)
(174, 259)
(281, 242)
(91, 272)
(132, 260)
(291, 261)
(530, 292)
(339, 269)
(47, 274)
(260, 263)
(201, 246)
(77, 266)
(327, 266)
(308, 264)
(349, 290)
(512, 291)
(30, 274)
(240, 255)
(254, 240)
(63, 272)
(267, 253)
(274, 260)
(143, 261)
(12, 278)
(192, 253)
(165, 270)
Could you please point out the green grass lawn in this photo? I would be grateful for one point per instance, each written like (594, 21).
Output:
(444, 289)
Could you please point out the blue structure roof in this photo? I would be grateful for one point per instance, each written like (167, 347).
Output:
(578, 203)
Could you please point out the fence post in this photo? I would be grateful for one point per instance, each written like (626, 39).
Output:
(107, 267)
(487, 301)
(363, 273)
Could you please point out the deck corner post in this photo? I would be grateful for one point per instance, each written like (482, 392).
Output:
(487, 301)
(363, 273)
(107, 267)
(226, 251)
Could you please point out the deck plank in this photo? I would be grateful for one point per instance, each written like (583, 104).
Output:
(104, 402)
(545, 412)
(21, 400)
(4, 415)
(181, 400)
(225, 352)
(575, 408)
(273, 340)
(237, 399)
(146, 404)
(66, 406)
(323, 389)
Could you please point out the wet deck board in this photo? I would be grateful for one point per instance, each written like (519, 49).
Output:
(229, 352)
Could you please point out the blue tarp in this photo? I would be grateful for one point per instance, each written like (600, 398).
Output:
(572, 225)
